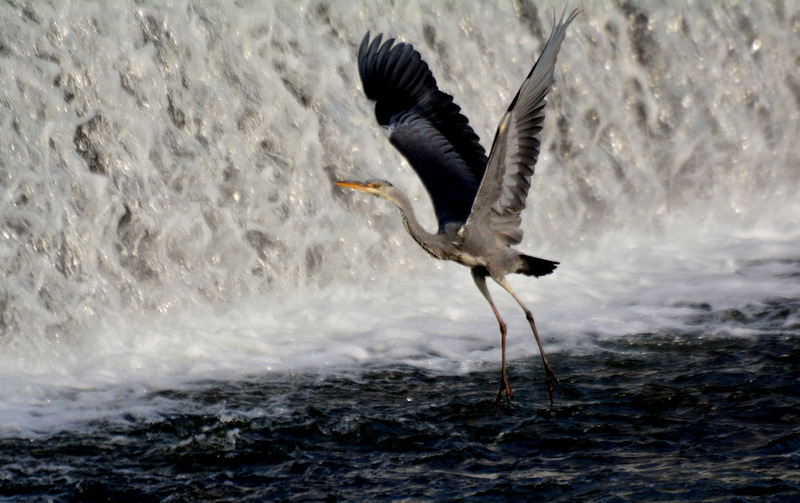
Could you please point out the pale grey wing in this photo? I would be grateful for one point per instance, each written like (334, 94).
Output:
(515, 150)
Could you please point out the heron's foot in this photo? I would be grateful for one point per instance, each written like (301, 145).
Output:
(551, 378)
(504, 388)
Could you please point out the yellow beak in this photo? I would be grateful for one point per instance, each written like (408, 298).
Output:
(363, 187)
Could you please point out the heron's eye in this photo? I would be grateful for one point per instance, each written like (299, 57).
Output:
(376, 186)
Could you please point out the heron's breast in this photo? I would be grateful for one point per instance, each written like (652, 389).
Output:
(468, 259)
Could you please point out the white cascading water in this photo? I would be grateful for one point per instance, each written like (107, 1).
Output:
(167, 211)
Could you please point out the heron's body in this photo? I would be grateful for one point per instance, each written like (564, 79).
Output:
(470, 247)
(477, 199)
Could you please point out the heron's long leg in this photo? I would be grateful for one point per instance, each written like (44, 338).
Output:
(480, 282)
(551, 376)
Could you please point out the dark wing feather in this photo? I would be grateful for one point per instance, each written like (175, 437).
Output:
(515, 150)
(439, 166)
(424, 124)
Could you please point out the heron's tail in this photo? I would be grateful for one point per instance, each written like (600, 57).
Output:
(532, 266)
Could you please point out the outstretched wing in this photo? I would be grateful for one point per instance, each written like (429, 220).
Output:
(515, 150)
(424, 125)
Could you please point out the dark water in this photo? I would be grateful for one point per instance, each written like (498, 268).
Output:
(154, 152)
(653, 417)
(668, 416)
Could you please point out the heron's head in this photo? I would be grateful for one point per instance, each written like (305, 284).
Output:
(378, 188)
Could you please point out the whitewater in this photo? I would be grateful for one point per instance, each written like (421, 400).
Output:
(191, 310)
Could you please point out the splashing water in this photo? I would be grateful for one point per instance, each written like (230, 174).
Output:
(167, 213)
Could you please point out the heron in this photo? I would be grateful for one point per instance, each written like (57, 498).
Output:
(477, 200)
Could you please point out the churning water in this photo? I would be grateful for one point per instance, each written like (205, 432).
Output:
(190, 310)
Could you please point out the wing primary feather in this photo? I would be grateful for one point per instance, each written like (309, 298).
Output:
(406, 94)
(515, 149)
(401, 64)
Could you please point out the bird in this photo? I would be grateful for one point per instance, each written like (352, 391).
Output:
(477, 199)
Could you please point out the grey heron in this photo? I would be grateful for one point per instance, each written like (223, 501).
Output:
(477, 200)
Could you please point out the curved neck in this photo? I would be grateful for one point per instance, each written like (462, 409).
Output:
(431, 243)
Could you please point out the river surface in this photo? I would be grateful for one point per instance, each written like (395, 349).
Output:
(190, 310)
